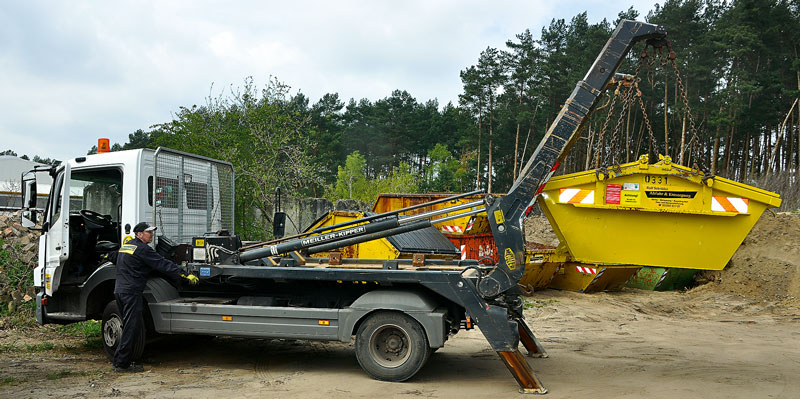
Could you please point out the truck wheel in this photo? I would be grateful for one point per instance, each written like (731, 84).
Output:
(391, 346)
(112, 332)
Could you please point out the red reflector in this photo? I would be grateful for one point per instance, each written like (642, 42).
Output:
(44, 301)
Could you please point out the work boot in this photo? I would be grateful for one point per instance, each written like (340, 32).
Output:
(132, 368)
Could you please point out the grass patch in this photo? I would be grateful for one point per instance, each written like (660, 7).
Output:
(40, 347)
(29, 348)
(93, 343)
(89, 344)
(538, 304)
(85, 329)
(60, 374)
(66, 373)
(10, 347)
(7, 381)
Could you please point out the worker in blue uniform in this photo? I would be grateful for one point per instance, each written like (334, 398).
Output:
(135, 261)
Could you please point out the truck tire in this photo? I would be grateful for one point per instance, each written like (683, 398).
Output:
(391, 346)
(112, 332)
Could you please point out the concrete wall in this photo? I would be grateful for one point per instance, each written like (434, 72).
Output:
(302, 212)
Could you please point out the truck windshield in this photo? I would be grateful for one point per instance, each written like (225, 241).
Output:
(98, 190)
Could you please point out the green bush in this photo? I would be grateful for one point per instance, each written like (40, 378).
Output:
(15, 275)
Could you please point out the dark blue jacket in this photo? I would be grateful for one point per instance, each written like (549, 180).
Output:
(135, 260)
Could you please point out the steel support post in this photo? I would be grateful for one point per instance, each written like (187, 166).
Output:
(529, 341)
(519, 368)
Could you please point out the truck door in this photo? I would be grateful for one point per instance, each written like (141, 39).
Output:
(58, 233)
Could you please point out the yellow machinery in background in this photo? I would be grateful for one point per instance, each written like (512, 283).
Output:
(476, 224)
(399, 246)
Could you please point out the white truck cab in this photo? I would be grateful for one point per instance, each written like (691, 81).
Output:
(94, 203)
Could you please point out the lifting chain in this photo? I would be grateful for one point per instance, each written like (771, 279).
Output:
(693, 146)
(627, 99)
(601, 136)
(633, 93)
(626, 102)
(653, 143)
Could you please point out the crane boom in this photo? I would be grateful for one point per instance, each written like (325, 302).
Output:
(505, 214)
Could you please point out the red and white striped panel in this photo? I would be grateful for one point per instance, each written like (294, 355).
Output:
(470, 224)
(729, 204)
(576, 196)
(452, 229)
(587, 270)
(463, 252)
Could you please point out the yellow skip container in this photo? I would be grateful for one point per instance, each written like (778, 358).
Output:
(476, 224)
(652, 215)
(400, 246)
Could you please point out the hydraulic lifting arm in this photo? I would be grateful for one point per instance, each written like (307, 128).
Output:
(505, 214)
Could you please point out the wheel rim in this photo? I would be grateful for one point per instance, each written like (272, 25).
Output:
(112, 331)
(390, 346)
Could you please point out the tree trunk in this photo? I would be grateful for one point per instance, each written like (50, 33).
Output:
(524, 148)
(714, 155)
(729, 153)
(589, 140)
(627, 136)
(666, 114)
(683, 139)
(765, 151)
(745, 158)
(789, 147)
(516, 142)
(737, 148)
(754, 157)
(491, 133)
(639, 139)
(516, 152)
(478, 169)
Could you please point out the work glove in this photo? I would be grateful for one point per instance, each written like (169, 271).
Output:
(193, 280)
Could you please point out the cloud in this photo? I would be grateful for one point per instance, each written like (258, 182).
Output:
(76, 71)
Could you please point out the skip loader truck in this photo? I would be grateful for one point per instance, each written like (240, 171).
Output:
(398, 310)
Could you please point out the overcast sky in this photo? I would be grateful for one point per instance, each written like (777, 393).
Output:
(73, 71)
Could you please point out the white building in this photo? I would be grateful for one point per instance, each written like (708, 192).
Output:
(11, 170)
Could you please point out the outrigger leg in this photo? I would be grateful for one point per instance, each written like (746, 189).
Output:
(529, 341)
(519, 368)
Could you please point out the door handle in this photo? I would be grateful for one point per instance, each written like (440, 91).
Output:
(58, 248)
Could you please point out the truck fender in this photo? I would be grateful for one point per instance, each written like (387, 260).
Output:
(158, 291)
(419, 305)
(92, 300)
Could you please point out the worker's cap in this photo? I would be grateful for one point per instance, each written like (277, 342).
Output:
(143, 227)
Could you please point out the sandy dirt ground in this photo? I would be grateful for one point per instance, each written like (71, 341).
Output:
(736, 336)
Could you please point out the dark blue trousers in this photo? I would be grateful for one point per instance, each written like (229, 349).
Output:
(130, 308)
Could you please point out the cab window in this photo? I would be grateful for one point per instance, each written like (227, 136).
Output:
(98, 190)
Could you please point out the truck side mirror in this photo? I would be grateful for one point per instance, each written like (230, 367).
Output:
(279, 224)
(29, 213)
